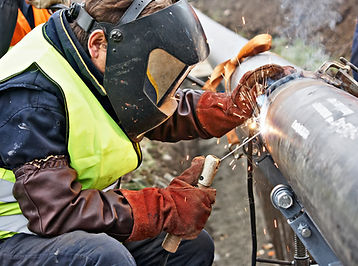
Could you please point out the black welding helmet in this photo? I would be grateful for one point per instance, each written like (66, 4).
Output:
(147, 59)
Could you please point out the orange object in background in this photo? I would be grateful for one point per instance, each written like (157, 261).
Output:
(22, 25)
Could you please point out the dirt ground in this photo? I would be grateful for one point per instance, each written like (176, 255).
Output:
(329, 24)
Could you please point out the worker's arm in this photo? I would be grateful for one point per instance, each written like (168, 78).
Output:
(8, 18)
(53, 202)
(183, 124)
(210, 114)
(33, 127)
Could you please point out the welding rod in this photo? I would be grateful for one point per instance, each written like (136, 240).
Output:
(241, 145)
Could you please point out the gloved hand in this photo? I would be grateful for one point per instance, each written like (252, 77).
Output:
(180, 209)
(46, 3)
(218, 113)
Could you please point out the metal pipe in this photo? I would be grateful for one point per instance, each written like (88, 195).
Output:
(312, 135)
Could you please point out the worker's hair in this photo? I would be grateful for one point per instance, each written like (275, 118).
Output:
(111, 11)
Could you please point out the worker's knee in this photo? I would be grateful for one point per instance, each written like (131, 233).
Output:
(203, 247)
(199, 251)
(101, 249)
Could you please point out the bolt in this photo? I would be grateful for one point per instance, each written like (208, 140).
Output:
(304, 230)
(284, 200)
(116, 35)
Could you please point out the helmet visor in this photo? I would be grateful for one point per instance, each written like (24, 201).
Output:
(163, 72)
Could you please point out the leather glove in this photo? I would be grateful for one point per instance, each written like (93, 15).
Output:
(218, 113)
(46, 3)
(180, 209)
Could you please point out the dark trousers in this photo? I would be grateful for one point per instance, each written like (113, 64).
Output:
(82, 248)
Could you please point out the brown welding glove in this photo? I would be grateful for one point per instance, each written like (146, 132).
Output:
(218, 113)
(180, 209)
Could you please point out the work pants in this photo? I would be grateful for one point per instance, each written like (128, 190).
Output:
(82, 248)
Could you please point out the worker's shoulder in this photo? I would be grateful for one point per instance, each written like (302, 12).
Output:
(29, 90)
(33, 79)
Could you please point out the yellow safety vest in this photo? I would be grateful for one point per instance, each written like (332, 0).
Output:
(99, 150)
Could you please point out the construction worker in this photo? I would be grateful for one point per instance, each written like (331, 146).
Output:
(354, 58)
(19, 17)
(77, 96)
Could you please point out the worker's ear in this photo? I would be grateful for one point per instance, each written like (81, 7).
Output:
(97, 47)
(96, 43)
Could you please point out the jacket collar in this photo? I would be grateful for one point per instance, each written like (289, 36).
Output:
(59, 33)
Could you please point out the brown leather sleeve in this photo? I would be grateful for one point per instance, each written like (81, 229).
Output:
(53, 202)
(183, 124)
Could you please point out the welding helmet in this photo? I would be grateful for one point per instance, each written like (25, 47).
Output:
(147, 59)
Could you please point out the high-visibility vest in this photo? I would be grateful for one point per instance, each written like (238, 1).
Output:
(22, 25)
(99, 150)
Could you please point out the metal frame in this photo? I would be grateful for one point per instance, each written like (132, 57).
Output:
(283, 198)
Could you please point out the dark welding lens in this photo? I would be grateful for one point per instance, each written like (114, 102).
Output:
(163, 71)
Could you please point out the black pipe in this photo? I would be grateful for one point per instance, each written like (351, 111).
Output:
(312, 135)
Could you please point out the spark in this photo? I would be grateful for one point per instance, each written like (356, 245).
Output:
(235, 114)
(187, 157)
(233, 168)
(217, 141)
(253, 124)
(231, 162)
(243, 20)
(276, 165)
(275, 223)
(220, 104)
(265, 231)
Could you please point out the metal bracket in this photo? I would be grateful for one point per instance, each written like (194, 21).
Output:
(283, 198)
(338, 75)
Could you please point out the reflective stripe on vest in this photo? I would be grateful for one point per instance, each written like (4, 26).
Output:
(14, 223)
(99, 150)
(6, 191)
